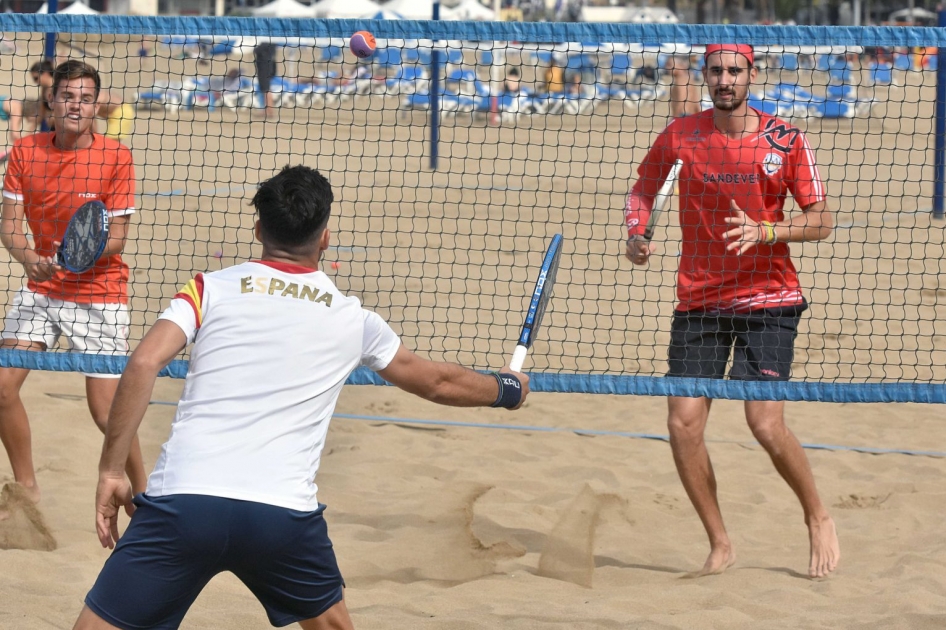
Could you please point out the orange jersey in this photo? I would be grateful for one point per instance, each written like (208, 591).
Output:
(52, 184)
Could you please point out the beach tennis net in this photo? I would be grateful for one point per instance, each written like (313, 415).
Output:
(458, 149)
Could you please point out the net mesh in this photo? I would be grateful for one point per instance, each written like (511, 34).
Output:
(533, 139)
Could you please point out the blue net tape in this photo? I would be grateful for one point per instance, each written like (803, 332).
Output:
(536, 32)
(564, 383)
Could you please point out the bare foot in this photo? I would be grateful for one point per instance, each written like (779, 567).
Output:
(825, 550)
(719, 559)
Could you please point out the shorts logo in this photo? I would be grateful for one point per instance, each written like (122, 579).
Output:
(772, 164)
(769, 372)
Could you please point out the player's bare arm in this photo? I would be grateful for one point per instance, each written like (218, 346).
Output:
(160, 345)
(12, 216)
(117, 235)
(814, 223)
(15, 112)
(446, 383)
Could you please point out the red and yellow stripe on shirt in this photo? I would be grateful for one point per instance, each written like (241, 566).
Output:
(193, 294)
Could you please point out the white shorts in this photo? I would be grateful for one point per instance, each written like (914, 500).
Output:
(90, 328)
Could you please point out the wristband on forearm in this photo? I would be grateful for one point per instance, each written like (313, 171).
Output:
(769, 231)
(510, 390)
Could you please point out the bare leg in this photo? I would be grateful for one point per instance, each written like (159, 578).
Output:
(767, 421)
(100, 393)
(88, 620)
(335, 618)
(14, 423)
(687, 422)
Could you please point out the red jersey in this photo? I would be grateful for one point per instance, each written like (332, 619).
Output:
(757, 171)
(52, 184)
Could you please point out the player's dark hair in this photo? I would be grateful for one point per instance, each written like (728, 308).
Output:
(42, 67)
(75, 69)
(294, 206)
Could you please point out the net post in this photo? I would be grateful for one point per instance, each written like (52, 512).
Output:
(939, 211)
(434, 96)
(52, 7)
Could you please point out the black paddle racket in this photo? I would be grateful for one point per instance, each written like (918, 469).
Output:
(540, 300)
(85, 238)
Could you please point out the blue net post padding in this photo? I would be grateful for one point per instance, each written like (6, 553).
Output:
(939, 183)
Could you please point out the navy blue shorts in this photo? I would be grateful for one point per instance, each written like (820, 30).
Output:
(175, 544)
(761, 342)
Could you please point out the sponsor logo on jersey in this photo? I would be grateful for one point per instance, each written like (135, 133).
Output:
(780, 135)
(772, 164)
(89, 195)
(730, 178)
(281, 288)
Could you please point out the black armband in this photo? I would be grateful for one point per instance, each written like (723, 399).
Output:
(510, 390)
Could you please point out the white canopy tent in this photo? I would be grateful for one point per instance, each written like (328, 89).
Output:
(346, 8)
(915, 14)
(76, 8)
(284, 8)
(469, 10)
(413, 9)
(649, 15)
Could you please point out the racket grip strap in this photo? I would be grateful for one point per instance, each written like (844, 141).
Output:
(510, 390)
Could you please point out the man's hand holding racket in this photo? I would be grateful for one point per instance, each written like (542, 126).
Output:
(639, 247)
(39, 268)
(639, 250)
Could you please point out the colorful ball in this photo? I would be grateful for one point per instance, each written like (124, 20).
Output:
(362, 44)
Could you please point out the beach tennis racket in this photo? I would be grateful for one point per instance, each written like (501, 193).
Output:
(540, 300)
(662, 199)
(85, 238)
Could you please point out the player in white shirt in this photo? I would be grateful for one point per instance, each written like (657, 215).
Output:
(273, 342)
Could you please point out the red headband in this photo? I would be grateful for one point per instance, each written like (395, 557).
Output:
(740, 49)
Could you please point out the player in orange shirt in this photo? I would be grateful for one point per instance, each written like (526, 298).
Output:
(48, 177)
(738, 291)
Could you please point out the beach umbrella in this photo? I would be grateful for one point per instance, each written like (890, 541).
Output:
(469, 10)
(283, 8)
(76, 8)
(384, 14)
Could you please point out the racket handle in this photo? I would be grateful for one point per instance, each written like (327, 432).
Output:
(518, 358)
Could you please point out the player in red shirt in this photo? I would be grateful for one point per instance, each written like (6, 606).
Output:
(738, 290)
(48, 177)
